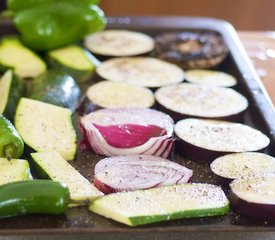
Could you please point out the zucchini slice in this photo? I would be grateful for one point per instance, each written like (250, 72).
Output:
(46, 127)
(53, 165)
(5, 85)
(162, 204)
(14, 170)
(74, 61)
(12, 88)
(13, 54)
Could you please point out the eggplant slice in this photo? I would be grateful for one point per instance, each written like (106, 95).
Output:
(209, 139)
(107, 94)
(254, 195)
(193, 100)
(232, 166)
(119, 43)
(210, 78)
(141, 71)
(191, 50)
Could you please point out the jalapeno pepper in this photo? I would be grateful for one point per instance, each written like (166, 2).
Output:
(33, 196)
(11, 144)
(48, 24)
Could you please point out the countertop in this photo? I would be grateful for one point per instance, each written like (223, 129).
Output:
(260, 47)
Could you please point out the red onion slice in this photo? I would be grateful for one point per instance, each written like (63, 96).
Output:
(128, 131)
(133, 135)
(127, 173)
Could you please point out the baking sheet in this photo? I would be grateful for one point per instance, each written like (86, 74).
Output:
(259, 115)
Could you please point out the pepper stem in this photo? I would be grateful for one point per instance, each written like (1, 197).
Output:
(8, 152)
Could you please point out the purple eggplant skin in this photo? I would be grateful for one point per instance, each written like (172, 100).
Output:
(224, 182)
(238, 117)
(103, 58)
(85, 106)
(199, 154)
(251, 209)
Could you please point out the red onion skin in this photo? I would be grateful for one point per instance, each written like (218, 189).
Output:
(165, 152)
(129, 173)
(158, 140)
(103, 187)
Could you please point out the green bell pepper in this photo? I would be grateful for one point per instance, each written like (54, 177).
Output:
(49, 24)
(33, 196)
(11, 144)
(18, 5)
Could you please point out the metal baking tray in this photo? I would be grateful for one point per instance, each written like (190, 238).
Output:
(79, 222)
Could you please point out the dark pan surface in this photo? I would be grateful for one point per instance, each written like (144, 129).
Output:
(259, 115)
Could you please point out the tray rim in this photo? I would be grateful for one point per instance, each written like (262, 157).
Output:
(252, 81)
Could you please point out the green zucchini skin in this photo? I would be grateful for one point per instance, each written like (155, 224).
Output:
(165, 203)
(33, 197)
(11, 144)
(18, 89)
(79, 75)
(141, 220)
(38, 170)
(55, 87)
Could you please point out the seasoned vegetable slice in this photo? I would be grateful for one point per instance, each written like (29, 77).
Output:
(209, 139)
(107, 94)
(13, 54)
(73, 60)
(126, 173)
(119, 43)
(163, 204)
(14, 170)
(5, 85)
(141, 71)
(53, 165)
(46, 127)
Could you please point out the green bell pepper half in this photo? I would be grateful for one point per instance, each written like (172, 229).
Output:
(11, 144)
(49, 24)
(33, 197)
(18, 5)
